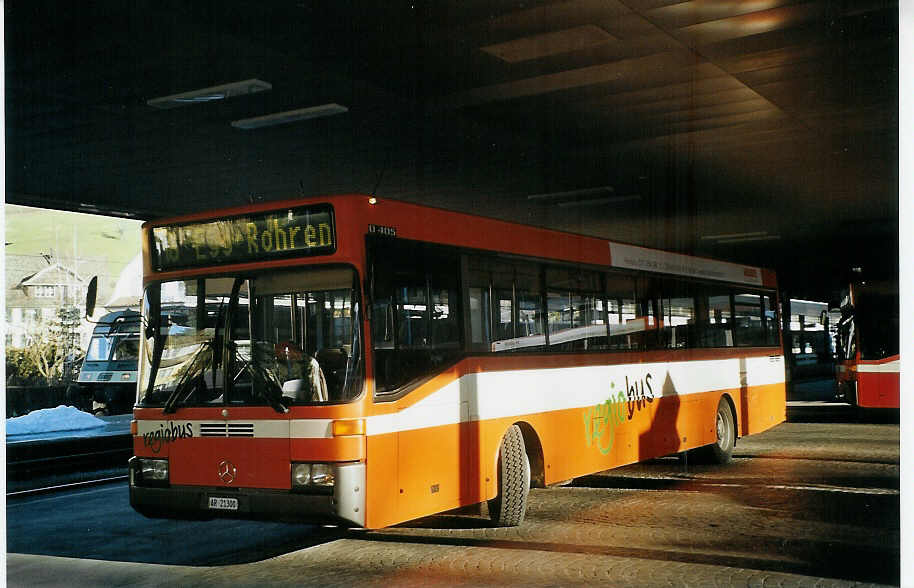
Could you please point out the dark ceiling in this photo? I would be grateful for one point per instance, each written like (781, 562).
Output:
(761, 131)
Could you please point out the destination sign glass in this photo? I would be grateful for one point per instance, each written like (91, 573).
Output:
(255, 237)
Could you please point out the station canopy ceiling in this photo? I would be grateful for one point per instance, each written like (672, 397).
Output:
(759, 131)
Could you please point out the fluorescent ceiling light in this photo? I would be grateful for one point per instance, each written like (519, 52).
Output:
(210, 94)
(537, 46)
(90, 208)
(289, 116)
(607, 200)
(603, 194)
(801, 301)
(748, 239)
(736, 235)
(742, 237)
(571, 193)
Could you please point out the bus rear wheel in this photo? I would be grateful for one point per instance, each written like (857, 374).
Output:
(721, 451)
(509, 506)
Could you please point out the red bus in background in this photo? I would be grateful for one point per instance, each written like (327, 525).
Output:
(869, 364)
(364, 362)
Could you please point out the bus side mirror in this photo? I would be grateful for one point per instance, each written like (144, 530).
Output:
(90, 296)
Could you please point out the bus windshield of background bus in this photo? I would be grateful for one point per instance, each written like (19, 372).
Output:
(876, 316)
(116, 347)
(270, 339)
(115, 338)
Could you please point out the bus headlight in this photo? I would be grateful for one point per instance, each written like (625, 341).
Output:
(152, 472)
(321, 474)
(301, 474)
(311, 475)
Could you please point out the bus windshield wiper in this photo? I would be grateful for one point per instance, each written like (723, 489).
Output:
(270, 384)
(195, 367)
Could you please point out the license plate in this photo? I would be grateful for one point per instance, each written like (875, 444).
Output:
(220, 503)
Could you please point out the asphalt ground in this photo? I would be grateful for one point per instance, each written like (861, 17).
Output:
(813, 502)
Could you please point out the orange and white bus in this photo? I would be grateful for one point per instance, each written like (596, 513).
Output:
(364, 362)
(869, 363)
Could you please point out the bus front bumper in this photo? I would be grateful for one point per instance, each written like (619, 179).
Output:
(344, 506)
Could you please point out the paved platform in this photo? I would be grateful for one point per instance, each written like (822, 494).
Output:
(370, 563)
(805, 504)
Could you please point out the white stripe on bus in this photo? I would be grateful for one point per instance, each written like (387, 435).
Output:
(263, 428)
(512, 393)
(492, 395)
(891, 367)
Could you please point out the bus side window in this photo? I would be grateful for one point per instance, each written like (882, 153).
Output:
(748, 319)
(678, 313)
(444, 305)
(575, 309)
(416, 312)
(649, 311)
(719, 332)
(382, 308)
(529, 321)
(769, 320)
(477, 285)
(621, 312)
(504, 314)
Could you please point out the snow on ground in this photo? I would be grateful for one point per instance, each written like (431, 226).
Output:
(46, 420)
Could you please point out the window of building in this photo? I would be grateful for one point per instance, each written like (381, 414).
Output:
(44, 291)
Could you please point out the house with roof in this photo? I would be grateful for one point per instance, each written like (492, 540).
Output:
(37, 287)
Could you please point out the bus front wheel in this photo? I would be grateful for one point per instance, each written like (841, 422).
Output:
(509, 506)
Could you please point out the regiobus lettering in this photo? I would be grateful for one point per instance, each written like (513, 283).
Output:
(364, 362)
(156, 439)
(600, 421)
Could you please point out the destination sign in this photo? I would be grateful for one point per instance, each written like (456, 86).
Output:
(255, 237)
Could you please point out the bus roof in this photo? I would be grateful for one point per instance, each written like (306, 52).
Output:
(437, 225)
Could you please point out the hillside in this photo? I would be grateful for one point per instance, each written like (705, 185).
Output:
(100, 245)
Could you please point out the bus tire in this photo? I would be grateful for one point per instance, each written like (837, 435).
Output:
(509, 506)
(721, 451)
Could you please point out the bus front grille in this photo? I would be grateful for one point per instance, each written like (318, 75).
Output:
(226, 429)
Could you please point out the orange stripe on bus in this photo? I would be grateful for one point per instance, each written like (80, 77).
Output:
(418, 471)
(335, 449)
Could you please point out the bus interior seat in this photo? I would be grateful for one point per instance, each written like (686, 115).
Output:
(303, 391)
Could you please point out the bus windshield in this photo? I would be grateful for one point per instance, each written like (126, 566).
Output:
(870, 319)
(272, 339)
(116, 347)
(99, 349)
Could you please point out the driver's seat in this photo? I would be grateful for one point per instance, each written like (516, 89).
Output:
(312, 390)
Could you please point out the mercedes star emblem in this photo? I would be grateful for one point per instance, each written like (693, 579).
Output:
(227, 471)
